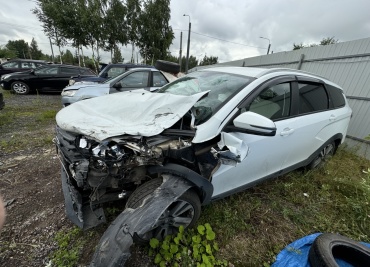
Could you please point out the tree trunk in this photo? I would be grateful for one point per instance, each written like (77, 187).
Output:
(93, 56)
(132, 53)
(60, 55)
(83, 57)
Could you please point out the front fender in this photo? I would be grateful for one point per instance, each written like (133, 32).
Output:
(204, 186)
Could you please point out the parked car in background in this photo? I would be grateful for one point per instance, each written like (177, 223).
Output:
(108, 72)
(16, 65)
(2, 103)
(203, 137)
(47, 78)
(147, 78)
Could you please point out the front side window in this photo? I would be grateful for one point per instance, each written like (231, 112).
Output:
(115, 71)
(221, 87)
(312, 98)
(10, 65)
(47, 70)
(137, 79)
(274, 102)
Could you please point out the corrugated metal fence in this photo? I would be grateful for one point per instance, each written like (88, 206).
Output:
(347, 64)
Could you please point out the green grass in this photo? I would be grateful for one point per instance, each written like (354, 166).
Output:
(27, 123)
(255, 225)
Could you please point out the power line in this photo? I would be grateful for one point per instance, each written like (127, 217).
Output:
(19, 26)
(222, 39)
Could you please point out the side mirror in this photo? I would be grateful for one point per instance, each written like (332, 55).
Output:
(117, 85)
(254, 123)
(104, 75)
(32, 72)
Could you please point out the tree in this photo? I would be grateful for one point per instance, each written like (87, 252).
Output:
(208, 61)
(49, 13)
(155, 33)
(324, 41)
(20, 48)
(68, 57)
(133, 21)
(116, 26)
(7, 53)
(328, 41)
(117, 56)
(34, 50)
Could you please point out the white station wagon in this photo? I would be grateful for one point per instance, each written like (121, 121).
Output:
(200, 138)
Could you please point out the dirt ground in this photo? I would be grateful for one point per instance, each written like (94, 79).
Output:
(31, 189)
(30, 186)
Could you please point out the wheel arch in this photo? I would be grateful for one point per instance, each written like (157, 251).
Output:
(202, 186)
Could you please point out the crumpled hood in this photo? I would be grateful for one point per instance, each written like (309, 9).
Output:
(137, 112)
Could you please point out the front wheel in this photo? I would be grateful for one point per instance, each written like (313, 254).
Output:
(184, 211)
(20, 88)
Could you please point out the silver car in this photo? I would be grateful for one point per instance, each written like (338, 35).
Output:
(145, 78)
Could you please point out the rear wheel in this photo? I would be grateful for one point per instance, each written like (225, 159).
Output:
(326, 154)
(184, 211)
(20, 88)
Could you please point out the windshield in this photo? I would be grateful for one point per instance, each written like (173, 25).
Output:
(221, 87)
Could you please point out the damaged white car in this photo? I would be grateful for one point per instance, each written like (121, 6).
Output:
(202, 137)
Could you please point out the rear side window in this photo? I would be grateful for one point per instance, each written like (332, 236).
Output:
(336, 96)
(158, 79)
(69, 71)
(312, 98)
(87, 72)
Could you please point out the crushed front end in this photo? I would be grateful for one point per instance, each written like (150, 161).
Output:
(95, 172)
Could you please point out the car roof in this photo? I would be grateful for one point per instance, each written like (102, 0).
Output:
(67, 66)
(28, 60)
(130, 65)
(260, 72)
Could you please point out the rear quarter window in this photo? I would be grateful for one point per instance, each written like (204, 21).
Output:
(336, 97)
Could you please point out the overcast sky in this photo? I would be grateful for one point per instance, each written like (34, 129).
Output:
(227, 29)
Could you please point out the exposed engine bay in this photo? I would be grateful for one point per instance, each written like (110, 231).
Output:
(98, 172)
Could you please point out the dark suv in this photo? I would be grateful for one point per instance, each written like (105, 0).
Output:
(48, 78)
(16, 65)
(110, 71)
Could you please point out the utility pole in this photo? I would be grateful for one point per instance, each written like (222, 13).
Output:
(180, 56)
(188, 48)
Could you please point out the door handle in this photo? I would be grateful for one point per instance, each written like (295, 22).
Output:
(286, 132)
(332, 118)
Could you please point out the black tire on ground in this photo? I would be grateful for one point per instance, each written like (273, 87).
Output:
(20, 88)
(167, 66)
(186, 209)
(324, 155)
(327, 247)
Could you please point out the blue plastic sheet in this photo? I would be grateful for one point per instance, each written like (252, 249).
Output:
(296, 253)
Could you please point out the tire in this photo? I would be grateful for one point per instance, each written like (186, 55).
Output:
(20, 88)
(327, 247)
(326, 154)
(167, 66)
(184, 211)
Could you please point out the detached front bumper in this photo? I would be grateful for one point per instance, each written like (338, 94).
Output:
(79, 209)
